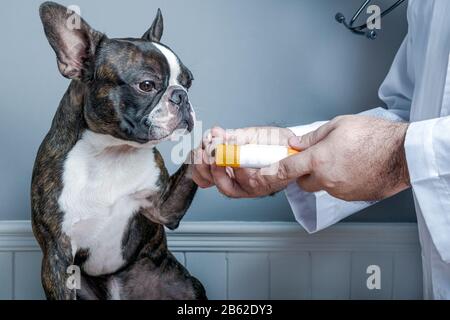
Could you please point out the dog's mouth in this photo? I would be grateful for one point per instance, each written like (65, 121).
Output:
(158, 134)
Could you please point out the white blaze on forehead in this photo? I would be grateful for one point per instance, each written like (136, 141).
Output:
(174, 64)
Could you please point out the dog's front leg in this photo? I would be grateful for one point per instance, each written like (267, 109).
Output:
(55, 274)
(171, 204)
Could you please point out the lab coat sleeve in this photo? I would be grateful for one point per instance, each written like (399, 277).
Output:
(427, 147)
(318, 210)
(397, 89)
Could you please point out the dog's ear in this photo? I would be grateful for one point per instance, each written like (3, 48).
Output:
(155, 32)
(72, 39)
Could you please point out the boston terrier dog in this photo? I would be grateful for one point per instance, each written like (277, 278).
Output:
(101, 194)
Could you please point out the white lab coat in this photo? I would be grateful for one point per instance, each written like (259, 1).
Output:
(416, 89)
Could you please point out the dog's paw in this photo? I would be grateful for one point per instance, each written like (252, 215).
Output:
(172, 225)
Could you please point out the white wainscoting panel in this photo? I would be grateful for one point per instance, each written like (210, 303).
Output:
(211, 269)
(331, 274)
(252, 260)
(6, 275)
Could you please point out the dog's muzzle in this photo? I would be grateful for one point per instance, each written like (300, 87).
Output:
(173, 112)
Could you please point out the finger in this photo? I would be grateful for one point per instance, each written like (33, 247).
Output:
(225, 184)
(287, 170)
(218, 135)
(208, 155)
(214, 136)
(242, 174)
(230, 172)
(257, 135)
(310, 139)
(241, 136)
(246, 177)
(203, 169)
(309, 183)
(198, 179)
(218, 132)
(294, 142)
(206, 140)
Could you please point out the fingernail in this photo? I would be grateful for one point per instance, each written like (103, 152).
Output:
(295, 142)
(252, 183)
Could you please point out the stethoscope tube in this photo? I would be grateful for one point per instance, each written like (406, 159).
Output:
(361, 29)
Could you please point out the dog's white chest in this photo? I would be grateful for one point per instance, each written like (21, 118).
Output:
(103, 187)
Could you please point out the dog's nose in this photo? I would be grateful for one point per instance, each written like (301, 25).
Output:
(179, 97)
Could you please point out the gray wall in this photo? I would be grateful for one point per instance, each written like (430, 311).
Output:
(255, 62)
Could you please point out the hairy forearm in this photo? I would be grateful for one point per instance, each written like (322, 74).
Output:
(398, 167)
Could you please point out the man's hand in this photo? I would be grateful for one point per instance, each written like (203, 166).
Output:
(235, 182)
(351, 157)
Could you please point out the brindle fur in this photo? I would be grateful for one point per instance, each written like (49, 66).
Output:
(151, 271)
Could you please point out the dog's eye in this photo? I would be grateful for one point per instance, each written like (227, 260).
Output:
(147, 86)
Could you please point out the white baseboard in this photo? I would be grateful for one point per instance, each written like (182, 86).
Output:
(267, 260)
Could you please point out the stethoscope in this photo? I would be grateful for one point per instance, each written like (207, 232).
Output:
(362, 29)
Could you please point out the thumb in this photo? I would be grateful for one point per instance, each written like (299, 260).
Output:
(310, 139)
(295, 143)
(285, 171)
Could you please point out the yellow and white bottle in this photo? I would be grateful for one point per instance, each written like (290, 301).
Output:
(250, 155)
